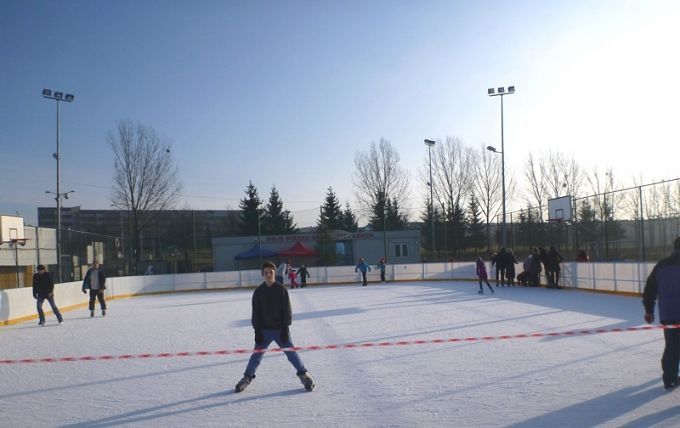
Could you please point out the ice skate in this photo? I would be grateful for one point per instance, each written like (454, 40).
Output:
(243, 383)
(307, 381)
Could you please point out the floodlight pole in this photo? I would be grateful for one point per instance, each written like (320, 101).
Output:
(429, 144)
(58, 96)
(501, 92)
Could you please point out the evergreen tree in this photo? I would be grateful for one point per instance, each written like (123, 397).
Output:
(250, 206)
(378, 212)
(395, 219)
(475, 224)
(349, 220)
(331, 216)
(528, 230)
(426, 226)
(276, 220)
(456, 228)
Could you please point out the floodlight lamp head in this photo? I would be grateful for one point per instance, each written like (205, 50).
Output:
(491, 148)
(501, 90)
(511, 89)
(429, 142)
(58, 95)
(69, 98)
(490, 91)
(47, 93)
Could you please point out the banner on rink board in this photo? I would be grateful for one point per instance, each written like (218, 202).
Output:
(364, 345)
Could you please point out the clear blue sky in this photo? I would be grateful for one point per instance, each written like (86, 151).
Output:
(285, 93)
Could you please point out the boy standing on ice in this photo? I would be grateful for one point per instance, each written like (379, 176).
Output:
(272, 315)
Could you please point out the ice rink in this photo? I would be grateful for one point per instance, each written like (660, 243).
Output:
(610, 379)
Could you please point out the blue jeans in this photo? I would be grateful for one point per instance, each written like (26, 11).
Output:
(41, 314)
(273, 335)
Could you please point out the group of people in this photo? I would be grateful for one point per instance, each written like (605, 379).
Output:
(539, 260)
(43, 289)
(364, 268)
(286, 269)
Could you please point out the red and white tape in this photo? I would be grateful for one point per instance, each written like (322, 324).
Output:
(340, 346)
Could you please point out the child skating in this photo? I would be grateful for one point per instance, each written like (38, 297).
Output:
(271, 317)
(482, 275)
(292, 275)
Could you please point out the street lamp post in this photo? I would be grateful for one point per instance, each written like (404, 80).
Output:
(430, 144)
(58, 96)
(57, 197)
(492, 93)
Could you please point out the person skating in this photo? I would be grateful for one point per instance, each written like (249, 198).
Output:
(43, 289)
(664, 283)
(95, 281)
(292, 276)
(482, 275)
(363, 267)
(304, 274)
(282, 271)
(382, 265)
(271, 318)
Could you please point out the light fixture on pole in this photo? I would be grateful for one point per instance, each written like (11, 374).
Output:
(492, 93)
(58, 96)
(430, 144)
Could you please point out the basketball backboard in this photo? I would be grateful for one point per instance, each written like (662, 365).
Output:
(11, 228)
(559, 209)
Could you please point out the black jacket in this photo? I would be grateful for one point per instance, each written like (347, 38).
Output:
(664, 283)
(271, 307)
(43, 285)
(102, 279)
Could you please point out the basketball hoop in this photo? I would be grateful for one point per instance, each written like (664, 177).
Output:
(16, 242)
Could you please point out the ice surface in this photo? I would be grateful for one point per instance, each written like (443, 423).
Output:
(608, 379)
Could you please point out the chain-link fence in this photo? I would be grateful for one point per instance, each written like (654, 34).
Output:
(78, 249)
(633, 224)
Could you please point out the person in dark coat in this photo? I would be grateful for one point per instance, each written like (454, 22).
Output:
(271, 318)
(511, 261)
(304, 274)
(494, 264)
(535, 268)
(553, 269)
(43, 289)
(95, 281)
(664, 283)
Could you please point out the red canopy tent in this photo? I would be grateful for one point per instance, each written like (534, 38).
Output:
(298, 250)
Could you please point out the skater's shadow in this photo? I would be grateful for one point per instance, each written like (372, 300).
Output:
(600, 410)
(215, 400)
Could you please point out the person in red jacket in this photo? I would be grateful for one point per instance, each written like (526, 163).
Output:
(271, 317)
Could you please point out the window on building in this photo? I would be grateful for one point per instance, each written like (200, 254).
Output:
(401, 250)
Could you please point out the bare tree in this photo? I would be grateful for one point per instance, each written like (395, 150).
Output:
(538, 188)
(563, 175)
(452, 170)
(487, 186)
(602, 185)
(145, 176)
(379, 178)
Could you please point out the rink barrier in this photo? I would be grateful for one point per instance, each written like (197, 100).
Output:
(364, 345)
(18, 305)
